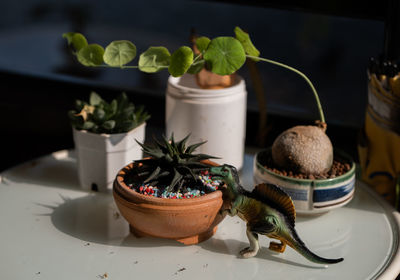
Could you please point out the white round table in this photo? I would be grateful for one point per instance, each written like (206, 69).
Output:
(50, 229)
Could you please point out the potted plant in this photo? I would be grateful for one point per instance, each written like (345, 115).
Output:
(303, 162)
(104, 136)
(193, 106)
(224, 56)
(170, 193)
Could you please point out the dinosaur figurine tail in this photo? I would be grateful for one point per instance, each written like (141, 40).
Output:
(297, 244)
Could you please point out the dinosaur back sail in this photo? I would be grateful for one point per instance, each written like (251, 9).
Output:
(277, 198)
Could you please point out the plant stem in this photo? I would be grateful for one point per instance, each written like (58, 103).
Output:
(126, 66)
(129, 66)
(321, 112)
(122, 66)
(196, 58)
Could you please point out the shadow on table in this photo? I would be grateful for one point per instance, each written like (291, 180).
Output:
(233, 246)
(55, 170)
(95, 218)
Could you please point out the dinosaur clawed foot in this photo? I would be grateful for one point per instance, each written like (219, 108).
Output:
(248, 252)
(277, 247)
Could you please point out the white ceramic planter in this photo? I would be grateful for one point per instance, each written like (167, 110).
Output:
(215, 115)
(101, 156)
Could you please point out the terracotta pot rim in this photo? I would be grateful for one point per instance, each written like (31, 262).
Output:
(125, 192)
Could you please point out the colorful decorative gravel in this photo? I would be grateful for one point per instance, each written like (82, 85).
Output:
(208, 182)
(207, 185)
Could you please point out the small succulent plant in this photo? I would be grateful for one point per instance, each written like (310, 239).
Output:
(171, 164)
(99, 116)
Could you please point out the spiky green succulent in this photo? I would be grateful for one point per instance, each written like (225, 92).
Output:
(99, 116)
(172, 164)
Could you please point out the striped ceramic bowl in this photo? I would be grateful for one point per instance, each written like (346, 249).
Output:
(310, 196)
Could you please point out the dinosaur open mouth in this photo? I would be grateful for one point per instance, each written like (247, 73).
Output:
(221, 182)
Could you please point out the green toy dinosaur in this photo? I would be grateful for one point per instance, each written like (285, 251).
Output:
(268, 210)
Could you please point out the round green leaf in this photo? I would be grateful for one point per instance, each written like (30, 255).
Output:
(202, 43)
(77, 40)
(68, 36)
(225, 55)
(181, 60)
(196, 67)
(91, 55)
(119, 53)
(154, 59)
(244, 39)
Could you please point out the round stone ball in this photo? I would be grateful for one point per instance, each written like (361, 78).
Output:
(304, 149)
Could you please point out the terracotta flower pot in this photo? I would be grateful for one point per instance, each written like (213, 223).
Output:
(188, 221)
(208, 80)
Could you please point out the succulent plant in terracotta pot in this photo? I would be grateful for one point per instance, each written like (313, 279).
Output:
(170, 194)
(104, 136)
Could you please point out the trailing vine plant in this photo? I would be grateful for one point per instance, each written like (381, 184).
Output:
(221, 55)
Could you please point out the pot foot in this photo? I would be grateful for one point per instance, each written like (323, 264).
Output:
(190, 240)
(197, 238)
(137, 233)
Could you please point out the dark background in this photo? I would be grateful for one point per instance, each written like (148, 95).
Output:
(330, 41)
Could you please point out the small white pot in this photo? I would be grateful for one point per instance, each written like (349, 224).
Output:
(101, 156)
(217, 116)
